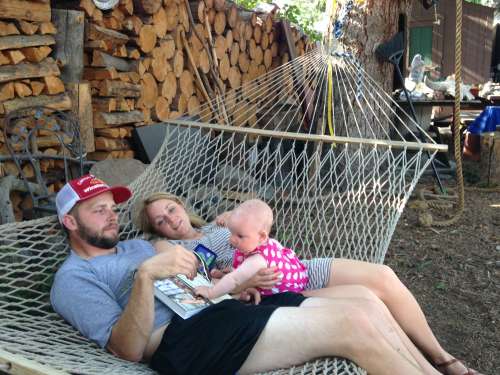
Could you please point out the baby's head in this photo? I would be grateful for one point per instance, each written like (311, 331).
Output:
(250, 224)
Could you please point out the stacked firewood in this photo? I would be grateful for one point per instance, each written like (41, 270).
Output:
(29, 77)
(151, 60)
(144, 61)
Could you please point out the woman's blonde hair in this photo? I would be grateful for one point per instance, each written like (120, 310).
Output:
(141, 218)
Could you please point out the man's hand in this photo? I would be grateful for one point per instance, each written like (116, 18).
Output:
(203, 291)
(250, 294)
(223, 218)
(169, 263)
(266, 278)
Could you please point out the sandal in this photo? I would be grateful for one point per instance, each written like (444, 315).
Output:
(442, 367)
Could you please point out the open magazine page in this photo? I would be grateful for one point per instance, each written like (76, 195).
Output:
(199, 280)
(178, 294)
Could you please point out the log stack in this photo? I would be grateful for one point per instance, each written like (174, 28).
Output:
(144, 61)
(149, 61)
(28, 77)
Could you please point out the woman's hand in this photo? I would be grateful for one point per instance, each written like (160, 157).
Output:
(170, 263)
(265, 278)
(223, 218)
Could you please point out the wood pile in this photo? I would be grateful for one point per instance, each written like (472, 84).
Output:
(144, 61)
(152, 60)
(28, 77)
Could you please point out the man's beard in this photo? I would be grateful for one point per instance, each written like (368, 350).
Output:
(95, 239)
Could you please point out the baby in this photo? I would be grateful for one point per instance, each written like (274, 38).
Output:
(250, 224)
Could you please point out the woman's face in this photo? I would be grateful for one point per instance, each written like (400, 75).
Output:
(169, 219)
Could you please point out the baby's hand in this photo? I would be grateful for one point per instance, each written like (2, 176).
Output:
(223, 218)
(203, 291)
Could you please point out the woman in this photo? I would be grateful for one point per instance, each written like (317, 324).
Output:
(164, 215)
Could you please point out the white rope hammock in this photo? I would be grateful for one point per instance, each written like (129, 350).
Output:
(338, 195)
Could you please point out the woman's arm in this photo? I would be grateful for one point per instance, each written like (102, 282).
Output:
(132, 332)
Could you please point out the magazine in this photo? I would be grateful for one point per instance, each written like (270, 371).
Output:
(178, 294)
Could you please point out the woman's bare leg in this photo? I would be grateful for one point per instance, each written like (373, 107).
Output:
(380, 311)
(403, 306)
(344, 328)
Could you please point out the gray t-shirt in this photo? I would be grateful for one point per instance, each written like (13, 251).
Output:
(91, 294)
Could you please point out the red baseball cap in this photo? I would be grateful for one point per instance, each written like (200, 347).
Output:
(83, 188)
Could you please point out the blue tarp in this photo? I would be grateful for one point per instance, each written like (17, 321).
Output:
(487, 121)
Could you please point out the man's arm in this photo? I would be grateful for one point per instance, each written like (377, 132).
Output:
(131, 333)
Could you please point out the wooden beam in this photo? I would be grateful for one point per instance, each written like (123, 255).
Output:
(313, 137)
(69, 43)
(21, 41)
(289, 39)
(25, 10)
(60, 102)
(25, 70)
(81, 100)
(17, 364)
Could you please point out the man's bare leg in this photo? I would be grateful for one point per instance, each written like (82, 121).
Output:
(296, 335)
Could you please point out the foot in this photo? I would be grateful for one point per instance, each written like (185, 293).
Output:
(455, 367)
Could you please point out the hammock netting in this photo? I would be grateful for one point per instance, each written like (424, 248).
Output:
(317, 139)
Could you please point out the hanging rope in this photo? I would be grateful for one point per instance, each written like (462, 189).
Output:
(425, 217)
(330, 98)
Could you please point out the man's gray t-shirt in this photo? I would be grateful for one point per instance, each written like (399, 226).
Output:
(91, 294)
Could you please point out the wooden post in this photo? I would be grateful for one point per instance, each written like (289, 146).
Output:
(489, 164)
(69, 43)
(82, 107)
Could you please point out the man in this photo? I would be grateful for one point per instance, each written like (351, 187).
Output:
(105, 289)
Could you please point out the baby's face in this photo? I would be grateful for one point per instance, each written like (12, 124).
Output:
(245, 235)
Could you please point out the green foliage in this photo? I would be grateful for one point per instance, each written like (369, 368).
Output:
(304, 14)
(249, 4)
(299, 12)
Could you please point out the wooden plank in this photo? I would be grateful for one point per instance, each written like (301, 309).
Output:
(289, 39)
(24, 10)
(21, 41)
(103, 120)
(60, 102)
(313, 137)
(19, 365)
(25, 70)
(69, 43)
(82, 107)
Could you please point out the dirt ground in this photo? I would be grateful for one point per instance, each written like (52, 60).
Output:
(454, 273)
